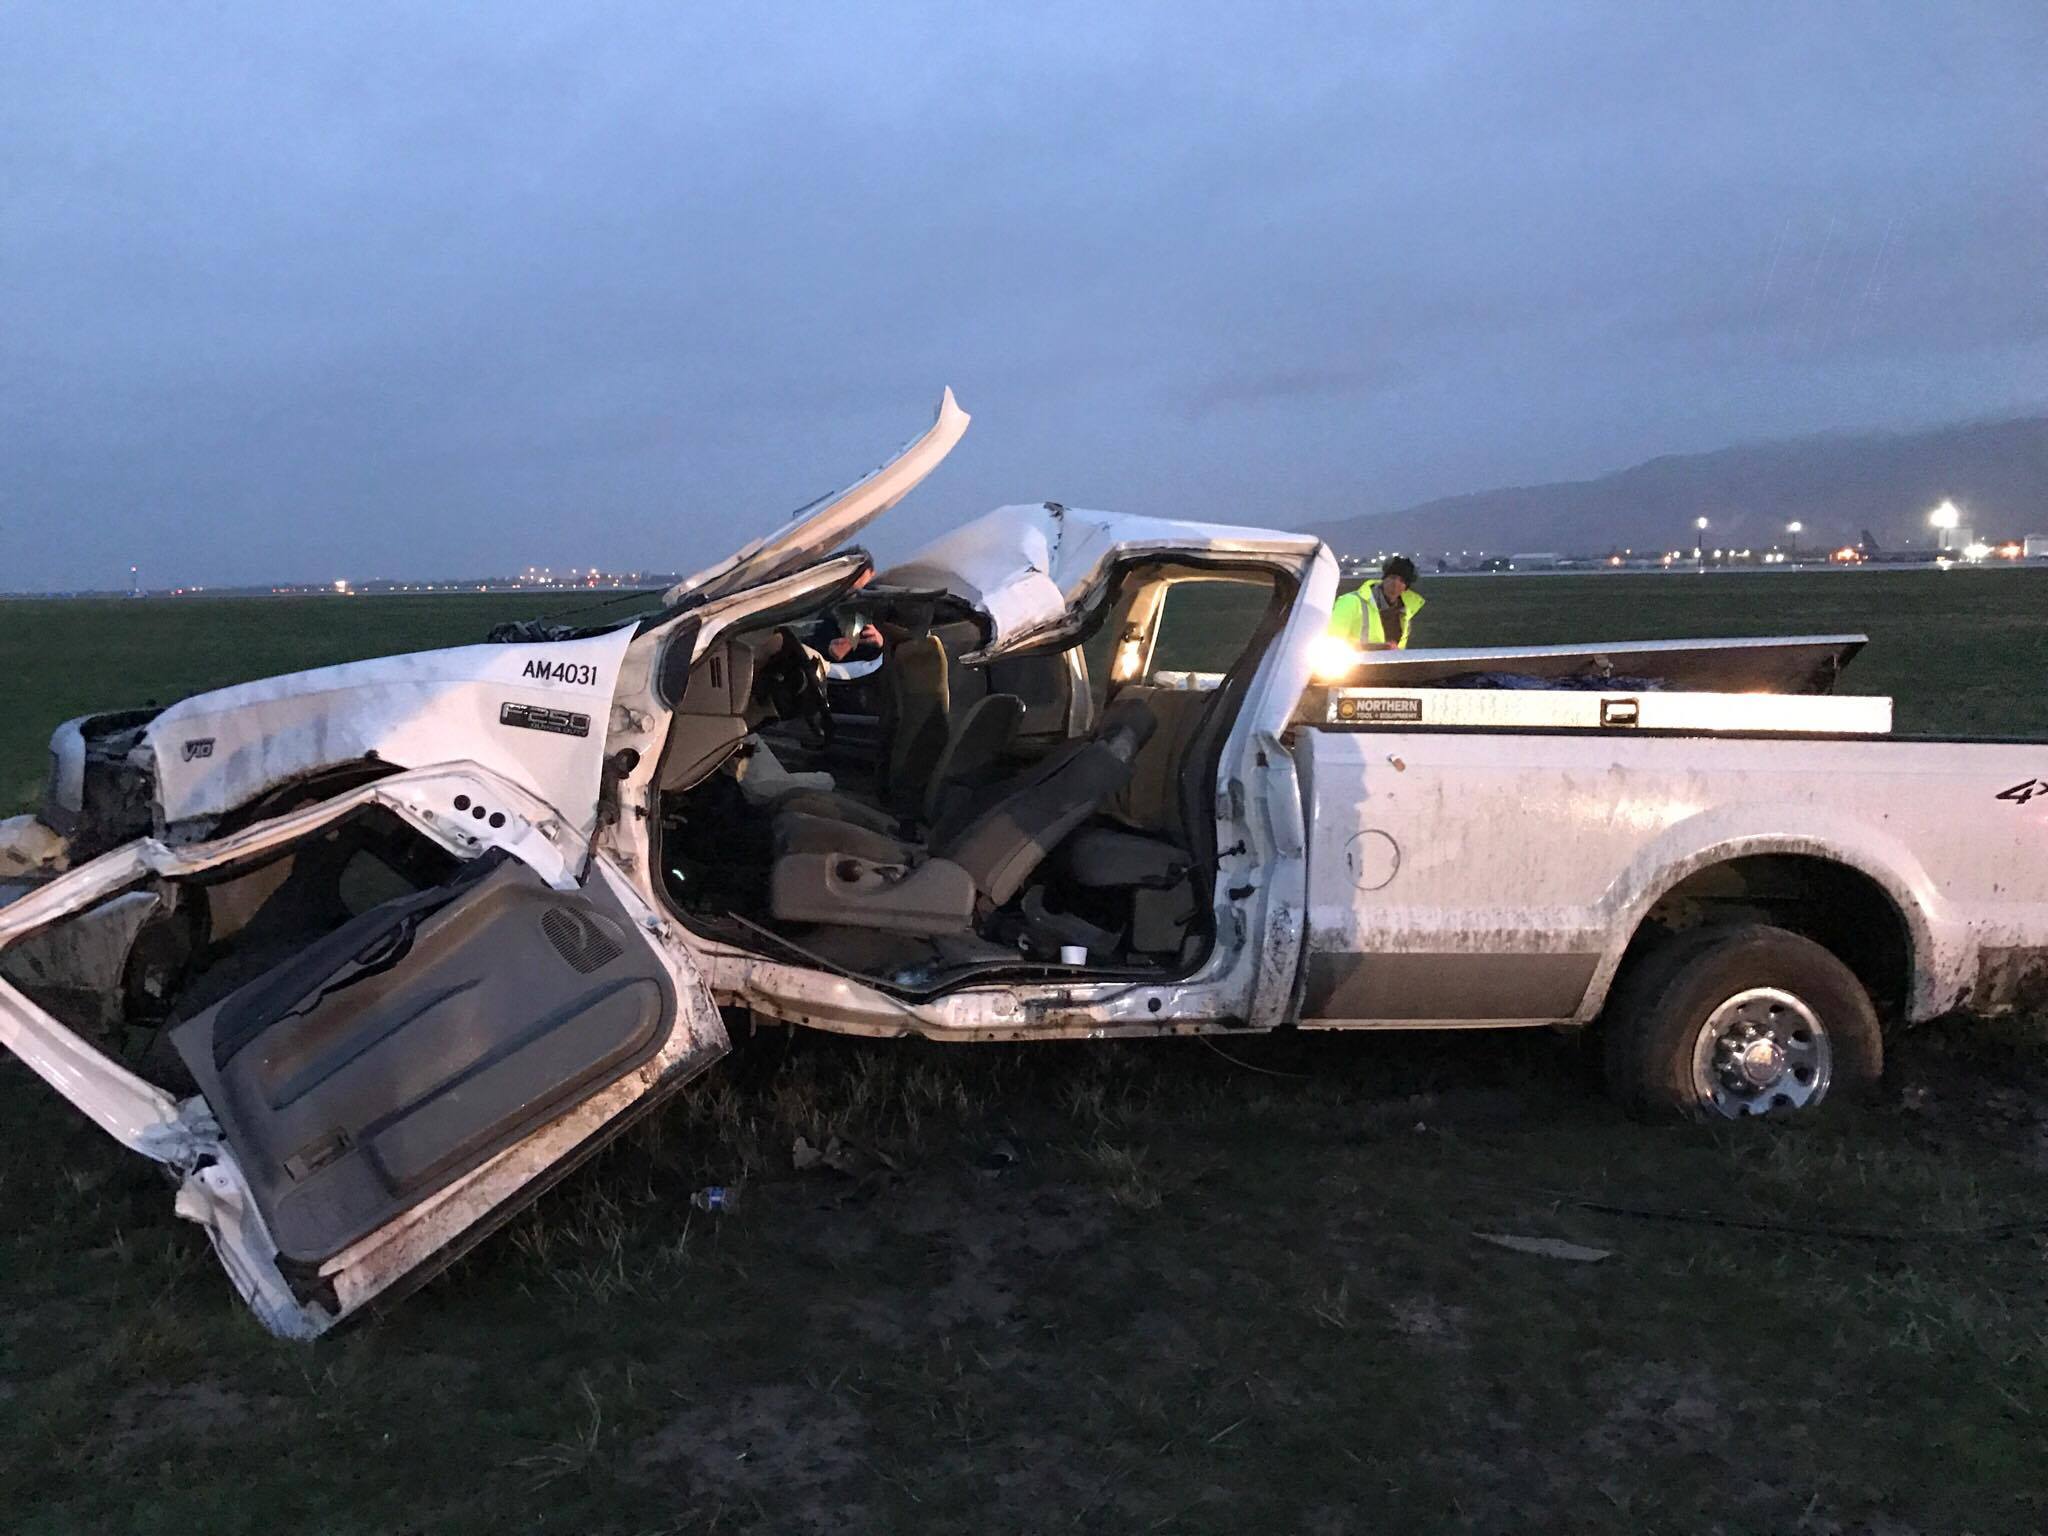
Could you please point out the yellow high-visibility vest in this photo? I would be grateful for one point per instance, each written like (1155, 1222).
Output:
(1355, 617)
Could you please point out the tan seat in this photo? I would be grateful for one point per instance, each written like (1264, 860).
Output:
(935, 749)
(1046, 685)
(712, 717)
(981, 865)
(915, 703)
(1151, 802)
(800, 832)
(916, 709)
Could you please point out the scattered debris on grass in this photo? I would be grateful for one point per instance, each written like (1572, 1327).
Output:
(841, 1155)
(1546, 1247)
(1000, 1157)
(835, 1155)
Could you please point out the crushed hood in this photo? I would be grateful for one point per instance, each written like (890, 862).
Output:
(1036, 569)
(831, 521)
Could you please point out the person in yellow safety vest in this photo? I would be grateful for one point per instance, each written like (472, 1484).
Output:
(1380, 615)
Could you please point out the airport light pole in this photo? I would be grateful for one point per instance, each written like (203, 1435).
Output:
(1699, 544)
(1945, 519)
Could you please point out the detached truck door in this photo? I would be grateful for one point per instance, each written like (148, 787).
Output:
(377, 1099)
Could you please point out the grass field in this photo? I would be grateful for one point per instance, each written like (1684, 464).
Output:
(1964, 652)
(1102, 1288)
(70, 658)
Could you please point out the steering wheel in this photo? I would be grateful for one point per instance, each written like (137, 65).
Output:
(792, 683)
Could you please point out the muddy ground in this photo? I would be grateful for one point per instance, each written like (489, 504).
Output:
(1110, 1289)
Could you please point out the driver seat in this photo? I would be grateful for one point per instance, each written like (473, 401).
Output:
(971, 870)
(917, 702)
(933, 751)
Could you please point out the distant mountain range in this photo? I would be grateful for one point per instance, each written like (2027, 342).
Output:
(1837, 485)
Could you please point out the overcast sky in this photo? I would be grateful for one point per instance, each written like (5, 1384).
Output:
(301, 292)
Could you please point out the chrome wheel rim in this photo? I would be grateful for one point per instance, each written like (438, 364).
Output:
(1762, 1052)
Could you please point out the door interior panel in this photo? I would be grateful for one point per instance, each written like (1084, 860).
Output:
(397, 1053)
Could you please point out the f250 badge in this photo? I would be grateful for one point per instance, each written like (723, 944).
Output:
(2020, 794)
(537, 717)
(198, 747)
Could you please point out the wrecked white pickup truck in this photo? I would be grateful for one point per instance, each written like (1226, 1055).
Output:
(416, 935)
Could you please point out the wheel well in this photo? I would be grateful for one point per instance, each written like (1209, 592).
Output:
(1841, 909)
(322, 783)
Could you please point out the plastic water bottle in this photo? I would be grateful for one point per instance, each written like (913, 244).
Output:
(715, 1197)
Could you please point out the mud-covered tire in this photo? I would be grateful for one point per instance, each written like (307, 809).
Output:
(1696, 1026)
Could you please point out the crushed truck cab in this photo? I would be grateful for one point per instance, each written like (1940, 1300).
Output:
(407, 939)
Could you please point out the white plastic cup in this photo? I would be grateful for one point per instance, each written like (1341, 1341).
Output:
(1073, 954)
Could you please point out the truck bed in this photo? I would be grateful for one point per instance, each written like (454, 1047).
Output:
(1482, 859)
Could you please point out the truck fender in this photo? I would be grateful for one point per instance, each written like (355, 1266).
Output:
(1940, 951)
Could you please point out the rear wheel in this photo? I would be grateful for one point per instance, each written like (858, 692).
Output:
(1735, 1022)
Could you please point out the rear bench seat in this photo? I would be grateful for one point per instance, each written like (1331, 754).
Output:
(1151, 801)
(1150, 860)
